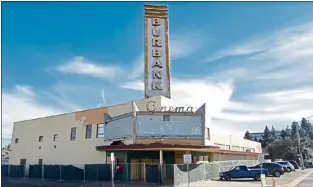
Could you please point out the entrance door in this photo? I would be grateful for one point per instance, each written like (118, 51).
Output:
(23, 161)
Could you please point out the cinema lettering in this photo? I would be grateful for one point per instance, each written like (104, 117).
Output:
(153, 107)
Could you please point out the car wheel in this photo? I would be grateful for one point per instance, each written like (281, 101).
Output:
(257, 177)
(227, 178)
(288, 169)
(276, 174)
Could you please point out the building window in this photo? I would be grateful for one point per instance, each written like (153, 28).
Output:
(56, 137)
(88, 131)
(166, 118)
(73, 133)
(208, 131)
(100, 130)
(55, 146)
(16, 140)
(40, 138)
(40, 161)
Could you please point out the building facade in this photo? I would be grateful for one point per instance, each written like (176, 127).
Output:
(77, 138)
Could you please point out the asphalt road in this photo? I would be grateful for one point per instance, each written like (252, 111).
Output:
(307, 182)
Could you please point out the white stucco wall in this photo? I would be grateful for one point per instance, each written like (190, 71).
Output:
(232, 140)
(79, 151)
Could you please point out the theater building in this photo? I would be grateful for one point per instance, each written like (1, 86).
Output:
(151, 130)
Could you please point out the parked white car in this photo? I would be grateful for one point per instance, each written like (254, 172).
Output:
(288, 165)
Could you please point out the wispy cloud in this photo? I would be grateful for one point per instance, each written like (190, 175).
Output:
(103, 102)
(82, 66)
(284, 38)
(22, 103)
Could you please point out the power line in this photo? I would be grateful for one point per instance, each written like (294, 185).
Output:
(305, 118)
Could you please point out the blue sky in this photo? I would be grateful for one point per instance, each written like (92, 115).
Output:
(250, 62)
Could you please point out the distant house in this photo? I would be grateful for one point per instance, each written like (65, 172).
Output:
(5, 153)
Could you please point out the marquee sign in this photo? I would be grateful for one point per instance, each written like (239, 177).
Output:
(157, 61)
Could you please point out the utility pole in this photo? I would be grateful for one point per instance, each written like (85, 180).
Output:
(299, 146)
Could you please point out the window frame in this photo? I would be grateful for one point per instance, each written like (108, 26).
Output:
(88, 129)
(208, 131)
(73, 133)
(166, 118)
(100, 134)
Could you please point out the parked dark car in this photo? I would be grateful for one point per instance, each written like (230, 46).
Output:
(294, 163)
(308, 164)
(238, 172)
(274, 169)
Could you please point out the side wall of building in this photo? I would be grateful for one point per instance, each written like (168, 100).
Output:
(229, 142)
(63, 151)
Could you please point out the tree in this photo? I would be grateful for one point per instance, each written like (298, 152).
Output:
(255, 139)
(273, 133)
(306, 127)
(288, 132)
(282, 149)
(283, 134)
(266, 135)
(294, 130)
(247, 136)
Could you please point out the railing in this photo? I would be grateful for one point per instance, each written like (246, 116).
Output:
(174, 174)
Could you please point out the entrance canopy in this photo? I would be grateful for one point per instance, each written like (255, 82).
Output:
(158, 146)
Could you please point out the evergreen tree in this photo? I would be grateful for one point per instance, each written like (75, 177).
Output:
(311, 132)
(294, 130)
(288, 132)
(306, 127)
(267, 135)
(247, 136)
(283, 134)
(273, 133)
(255, 139)
(266, 138)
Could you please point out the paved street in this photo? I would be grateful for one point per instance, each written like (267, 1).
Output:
(307, 182)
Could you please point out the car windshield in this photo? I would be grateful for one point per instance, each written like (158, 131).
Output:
(232, 168)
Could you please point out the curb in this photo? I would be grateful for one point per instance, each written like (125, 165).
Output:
(297, 180)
